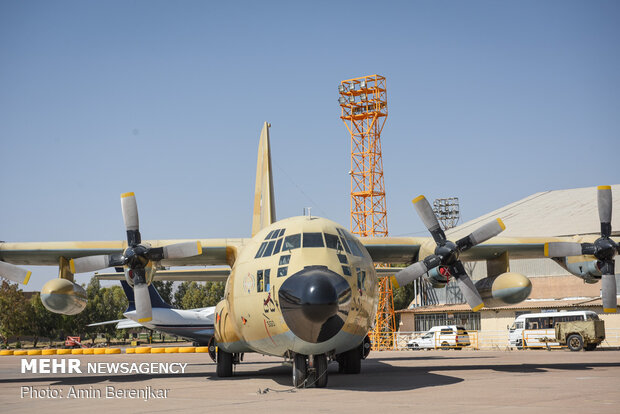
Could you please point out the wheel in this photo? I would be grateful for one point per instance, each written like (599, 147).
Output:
(320, 365)
(300, 370)
(590, 347)
(445, 345)
(520, 344)
(350, 362)
(224, 363)
(212, 349)
(575, 342)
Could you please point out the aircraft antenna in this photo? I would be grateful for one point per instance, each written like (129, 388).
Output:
(363, 104)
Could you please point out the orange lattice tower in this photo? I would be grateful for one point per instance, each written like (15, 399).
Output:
(363, 102)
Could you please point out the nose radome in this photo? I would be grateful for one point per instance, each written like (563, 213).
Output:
(309, 301)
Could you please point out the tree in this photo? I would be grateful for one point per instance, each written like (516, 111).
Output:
(164, 288)
(13, 311)
(200, 295)
(42, 322)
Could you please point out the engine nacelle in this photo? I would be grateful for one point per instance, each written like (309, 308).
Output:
(435, 278)
(588, 271)
(506, 289)
(63, 296)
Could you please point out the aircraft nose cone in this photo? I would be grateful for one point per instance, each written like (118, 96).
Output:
(312, 303)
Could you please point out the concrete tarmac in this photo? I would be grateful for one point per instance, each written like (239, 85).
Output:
(529, 381)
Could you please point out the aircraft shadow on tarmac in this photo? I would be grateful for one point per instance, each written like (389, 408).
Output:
(376, 376)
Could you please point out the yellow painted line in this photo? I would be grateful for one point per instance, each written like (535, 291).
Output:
(88, 351)
(501, 223)
(172, 349)
(610, 310)
(127, 195)
(130, 350)
(112, 351)
(145, 320)
(418, 198)
(99, 351)
(187, 349)
(143, 350)
(477, 308)
(27, 278)
(604, 187)
(395, 283)
(63, 352)
(6, 352)
(158, 350)
(546, 253)
(202, 349)
(78, 351)
(20, 352)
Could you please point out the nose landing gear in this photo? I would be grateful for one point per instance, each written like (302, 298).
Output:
(310, 370)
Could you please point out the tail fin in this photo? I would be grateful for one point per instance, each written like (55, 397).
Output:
(264, 201)
(156, 300)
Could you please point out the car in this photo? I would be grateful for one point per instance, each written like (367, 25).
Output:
(441, 337)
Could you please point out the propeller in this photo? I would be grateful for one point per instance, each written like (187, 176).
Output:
(447, 253)
(604, 249)
(136, 257)
(14, 273)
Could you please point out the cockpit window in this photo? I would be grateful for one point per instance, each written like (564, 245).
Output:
(276, 249)
(269, 248)
(292, 242)
(313, 240)
(281, 232)
(333, 242)
(344, 241)
(285, 259)
(261, 250)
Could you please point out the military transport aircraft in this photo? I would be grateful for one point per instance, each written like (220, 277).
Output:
(304, 287)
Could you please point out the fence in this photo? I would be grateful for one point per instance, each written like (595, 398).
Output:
(486, 340)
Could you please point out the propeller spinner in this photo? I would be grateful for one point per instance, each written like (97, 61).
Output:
(136, 257)
(604, 249)
(447, 253)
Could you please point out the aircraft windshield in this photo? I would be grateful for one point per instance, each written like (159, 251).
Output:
(313, 240)
(292, 242)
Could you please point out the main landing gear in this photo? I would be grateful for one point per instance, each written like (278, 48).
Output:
(310, 370)
(225, 361)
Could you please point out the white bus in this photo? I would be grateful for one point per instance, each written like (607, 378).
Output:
(538, 329)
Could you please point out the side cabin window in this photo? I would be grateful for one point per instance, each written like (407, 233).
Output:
(259, 281)
(262, 280)
(313, 240)
(333, 242)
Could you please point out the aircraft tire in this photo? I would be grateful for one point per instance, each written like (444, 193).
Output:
(352, 361)
(320, 363)
(224, 364)
(300, 370)
(574, 342)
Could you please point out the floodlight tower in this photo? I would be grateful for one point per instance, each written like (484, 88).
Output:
(363, 103)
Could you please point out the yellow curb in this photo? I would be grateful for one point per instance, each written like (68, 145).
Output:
(34, 352)
(130, 350)
(6, 352)
(48, 352)
(63, 352)
(112, 350)
(172, 350)
(99, 351)
(77, 351)
(202, 349)
(187, 349)
(20, 352)
(88, 351)
(143, 350)
(158, 350)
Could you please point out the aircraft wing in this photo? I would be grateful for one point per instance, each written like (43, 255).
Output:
(214, 251)
(120, 324)
(214, 274)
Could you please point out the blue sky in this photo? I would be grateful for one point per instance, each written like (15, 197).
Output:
(489, 101)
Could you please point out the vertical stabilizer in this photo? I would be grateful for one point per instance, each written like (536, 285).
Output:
(264, 201)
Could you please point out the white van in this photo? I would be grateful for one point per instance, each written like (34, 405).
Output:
(444, 337)
(537, 330)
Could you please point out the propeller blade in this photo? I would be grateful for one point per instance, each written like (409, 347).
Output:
(608, 287)
(92, 263)
(482, 234)
(472, 297)
(130, 217)
(604, 209)
(414, 271)
(14, 273)
(562, 249)
(144, 311)
(176, 251)
(429, 219)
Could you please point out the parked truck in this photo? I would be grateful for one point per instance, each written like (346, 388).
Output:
(578, 335)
